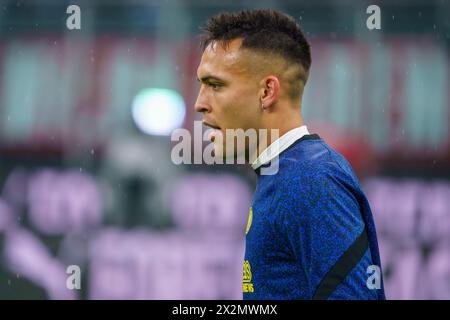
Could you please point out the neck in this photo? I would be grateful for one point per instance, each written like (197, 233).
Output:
(275, 128)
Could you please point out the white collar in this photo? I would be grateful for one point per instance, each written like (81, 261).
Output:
(279, 145)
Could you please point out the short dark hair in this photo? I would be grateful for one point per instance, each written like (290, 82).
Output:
(265, 30)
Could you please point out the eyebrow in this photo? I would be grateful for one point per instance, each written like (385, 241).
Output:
(209, 78)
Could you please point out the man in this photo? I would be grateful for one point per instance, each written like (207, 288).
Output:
(310, 232)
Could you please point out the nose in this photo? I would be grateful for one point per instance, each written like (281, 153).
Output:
(202, 105)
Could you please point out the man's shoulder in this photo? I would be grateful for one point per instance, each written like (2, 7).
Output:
(313, 173)
(313, 157)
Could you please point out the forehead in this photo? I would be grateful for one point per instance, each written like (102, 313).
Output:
(222, 60)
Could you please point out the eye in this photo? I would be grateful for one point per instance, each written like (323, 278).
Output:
(214, 86)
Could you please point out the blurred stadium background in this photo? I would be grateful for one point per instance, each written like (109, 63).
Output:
(85, 171)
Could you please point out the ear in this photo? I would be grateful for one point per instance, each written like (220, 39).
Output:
(270, 91)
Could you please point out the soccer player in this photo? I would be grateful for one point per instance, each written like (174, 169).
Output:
(310, 232)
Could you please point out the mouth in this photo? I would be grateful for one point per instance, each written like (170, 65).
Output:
(211, 125)
(212, 135)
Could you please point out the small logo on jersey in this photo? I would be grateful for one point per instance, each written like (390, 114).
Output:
(247, 286)
(249, 222)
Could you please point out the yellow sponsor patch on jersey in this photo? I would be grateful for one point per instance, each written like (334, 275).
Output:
(247, 286)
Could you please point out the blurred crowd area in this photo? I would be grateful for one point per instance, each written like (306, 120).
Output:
(85, 181)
